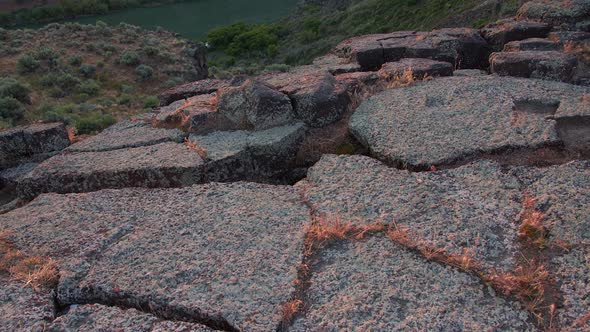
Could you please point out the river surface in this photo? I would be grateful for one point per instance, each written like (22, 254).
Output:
(192, 19)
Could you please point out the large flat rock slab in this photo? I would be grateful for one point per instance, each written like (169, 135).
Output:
(549, 65)
(470, 210)
(464, 48)
(191, 89)
(97, 317)
(451, 120)
(127, 134)
(23, 309)
(415, 68)
(375, 285)
(31, 143)
(161, 165)
(571, 14)
(225, 255)
(508, 30)
(250, 155)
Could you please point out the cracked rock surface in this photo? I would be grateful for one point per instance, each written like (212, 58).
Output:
(23, 309)
(450, 120)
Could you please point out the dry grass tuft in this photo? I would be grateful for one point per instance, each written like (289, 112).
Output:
(289, 310)
(329, 228)
(193, 146)
(37, 272)
(532, 229)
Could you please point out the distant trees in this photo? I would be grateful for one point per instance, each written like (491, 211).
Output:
(240, 38)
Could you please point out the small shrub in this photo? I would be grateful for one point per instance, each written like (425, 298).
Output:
(151, 102)
(11, 108)
(124, 99)
(93, 123)
(10, 87)
(130, 58)
(87, 70)
(27, 64)
(89, 87)
(75, 61)
(144, 72)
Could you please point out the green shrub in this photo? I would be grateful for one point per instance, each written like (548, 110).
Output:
(144, 72)
(11, 108)
(87, 70)
(75, 61)
(94, 122)
(124, 99)
(130, 58)
(27, 64)
(89, 87)
(10, 87)
(151, 102)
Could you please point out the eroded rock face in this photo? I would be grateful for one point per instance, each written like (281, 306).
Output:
(357, 287)
(97, 317)
(450, 120)
(532, 44)
(507, 30)
(256, 105)
(191, 89)
(250, 155)
(161, 165)
(34, 142)
(550, 65)
(572, 14)
(225, 255)
(23, 309)
(464, 48)
(318, 98)
(419, 69)
(127, 134)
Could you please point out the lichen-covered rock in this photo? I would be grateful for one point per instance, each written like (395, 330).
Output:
(358, 80)
(96, 317)
(318, 99)
(192, 89)
(565, 37)
(507, 30)
(464, 48)
(161, 165)
(532, 44)
(450, 120)
(127, 134)
(470, 210)
(250, 155)
(419, 69)
(375, 285)
(255, 105)
(560, 14)
(335, 64)
(469, 72)
(549, 65)
(23, 309)
(34, 142)
(221, 254)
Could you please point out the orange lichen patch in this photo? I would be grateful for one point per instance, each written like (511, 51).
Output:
(194, 146)
(35, 271)
(532, 227)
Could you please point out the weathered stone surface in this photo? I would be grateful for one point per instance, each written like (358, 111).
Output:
(95, 317)
(196, 114)
(23, 309)
(188, 90)
(375, 285)
(550, 65)
(569, 36)
(468, 210)
(469, 72)
(358, 80)
(11, 176)
(335, 64)
(532, 44)
(450, 120)
(562, 194)
(222, 254)
(507, 30)
(256, 105)
(464, 48)
(127, 134)
(318, 98)
(250, 155)
(162, 165)
(34, 142)
(419, 68)
(564, 14)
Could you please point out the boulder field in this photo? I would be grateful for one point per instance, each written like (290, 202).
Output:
(407, 181)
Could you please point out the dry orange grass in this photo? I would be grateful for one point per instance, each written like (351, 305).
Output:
(289, 310)
(532, 229)
(35, 271)
(326, 229)
(193, 146)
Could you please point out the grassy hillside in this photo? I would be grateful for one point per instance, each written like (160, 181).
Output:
(87, 75)
(316, 27)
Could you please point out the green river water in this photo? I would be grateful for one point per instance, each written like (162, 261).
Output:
(192, 19)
